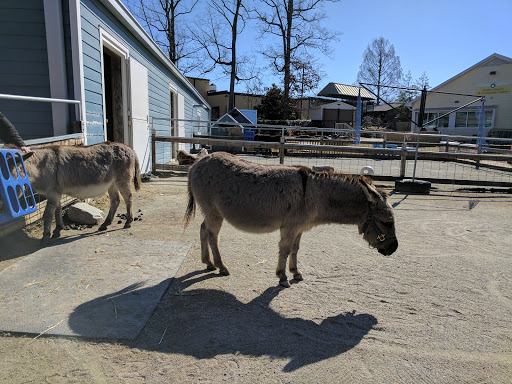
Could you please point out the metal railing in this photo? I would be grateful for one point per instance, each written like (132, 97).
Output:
(51, 139)
(41, 202)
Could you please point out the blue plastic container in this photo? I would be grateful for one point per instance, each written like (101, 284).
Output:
(16, 192)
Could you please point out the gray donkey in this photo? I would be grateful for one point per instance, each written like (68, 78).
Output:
(263, 198)
(83, 172)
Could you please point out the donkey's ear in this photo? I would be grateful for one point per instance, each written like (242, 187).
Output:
(371, 193)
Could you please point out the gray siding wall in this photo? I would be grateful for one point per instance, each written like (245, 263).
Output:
(24, 67)
(159, 76)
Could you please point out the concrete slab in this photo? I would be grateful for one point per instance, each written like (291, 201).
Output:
(101, 287)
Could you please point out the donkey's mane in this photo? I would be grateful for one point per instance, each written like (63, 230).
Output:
(349, 178)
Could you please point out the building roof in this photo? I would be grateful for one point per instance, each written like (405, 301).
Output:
(385, 107)
(494, 56)
(218, 93)
(233, 116)
(342, 91)
(122, 13)
(337, 105)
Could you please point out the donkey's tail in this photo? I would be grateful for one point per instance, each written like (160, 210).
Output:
(191, 209)
(136, 179)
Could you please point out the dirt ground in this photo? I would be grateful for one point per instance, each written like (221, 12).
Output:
(437, 311)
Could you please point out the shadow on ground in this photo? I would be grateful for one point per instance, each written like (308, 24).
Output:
(17, 244)
(205, 323)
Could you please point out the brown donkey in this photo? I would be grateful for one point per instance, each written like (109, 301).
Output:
(263, 198)
(83, 172)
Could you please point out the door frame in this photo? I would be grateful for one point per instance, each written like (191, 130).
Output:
(173, 114)
(114, 45)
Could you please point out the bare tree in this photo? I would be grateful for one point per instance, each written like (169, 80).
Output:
(381, 66)
(297, 26)
(304, 76)
(408, 93)
(423, 81)
(217, 36)
(161, 19)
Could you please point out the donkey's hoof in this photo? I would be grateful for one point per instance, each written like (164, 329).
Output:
(284, 283)
(55, 235)
(224, 272)
(298, 277)
(102, 228)
(45, 241)
(127, 225)
(211, 267)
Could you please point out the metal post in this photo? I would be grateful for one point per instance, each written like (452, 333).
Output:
(153, 149)
(481, 132)
(357, 133)
(420, 125)
(403, 159)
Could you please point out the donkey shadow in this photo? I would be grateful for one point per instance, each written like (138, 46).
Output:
(205, 323)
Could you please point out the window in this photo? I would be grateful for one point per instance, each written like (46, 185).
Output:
(470, 119)
(444, 121)
(428, 117)
(215, 113)
(439, 123)
(461, 119)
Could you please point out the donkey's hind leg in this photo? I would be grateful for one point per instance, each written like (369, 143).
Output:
(297, 275)
(286, 245)
(59, 223)
(210, 230)
(113, 193)
(126, 192)
(48, 215)
(205, 252)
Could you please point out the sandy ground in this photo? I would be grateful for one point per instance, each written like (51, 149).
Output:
(436, 311)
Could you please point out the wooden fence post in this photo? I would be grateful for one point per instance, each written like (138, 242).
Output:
(281, 150)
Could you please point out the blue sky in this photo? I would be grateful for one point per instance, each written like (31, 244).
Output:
(440, 38)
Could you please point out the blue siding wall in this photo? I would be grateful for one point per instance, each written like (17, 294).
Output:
(24, 67)
(159, 77)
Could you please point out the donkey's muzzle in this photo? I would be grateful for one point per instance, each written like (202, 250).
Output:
(389, 249)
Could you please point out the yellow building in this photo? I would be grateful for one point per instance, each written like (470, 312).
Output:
(491, 78)
(219, 101)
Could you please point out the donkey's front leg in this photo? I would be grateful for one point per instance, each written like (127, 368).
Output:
(286, 243)
(297, 274)
(113, 193)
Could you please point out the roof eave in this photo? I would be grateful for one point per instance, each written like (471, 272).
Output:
(119, 10)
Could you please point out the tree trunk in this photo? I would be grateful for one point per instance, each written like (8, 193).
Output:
(287, 60)
(378, 79)
(233, 57)
(172, 38)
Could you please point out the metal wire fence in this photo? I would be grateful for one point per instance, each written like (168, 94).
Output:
(440, 159)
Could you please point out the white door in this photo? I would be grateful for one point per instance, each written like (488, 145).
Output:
(139, 113)
(181, 115)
